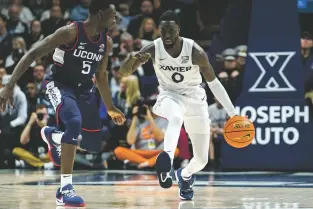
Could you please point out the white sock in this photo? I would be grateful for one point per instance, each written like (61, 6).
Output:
(56, 137)
(66, 179)
(200, 146)
(175, 117)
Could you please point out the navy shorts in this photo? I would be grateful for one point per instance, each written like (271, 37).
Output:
(64, 101)
(69, 104)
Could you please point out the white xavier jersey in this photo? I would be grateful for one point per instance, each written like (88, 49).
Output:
(178, 75)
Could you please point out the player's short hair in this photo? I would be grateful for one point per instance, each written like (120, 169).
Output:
(169, 15)
(96, 5)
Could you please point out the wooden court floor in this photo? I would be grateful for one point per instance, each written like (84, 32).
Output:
(139, 190)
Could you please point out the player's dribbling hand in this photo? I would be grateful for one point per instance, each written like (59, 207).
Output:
(117, 116)
(6, 96)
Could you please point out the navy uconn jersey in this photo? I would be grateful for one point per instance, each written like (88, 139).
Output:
(74, 66)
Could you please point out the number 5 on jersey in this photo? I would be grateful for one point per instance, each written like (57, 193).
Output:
(86, 67)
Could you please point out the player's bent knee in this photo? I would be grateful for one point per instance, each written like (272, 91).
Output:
(176, 119)
(75, 125)
(73, 129)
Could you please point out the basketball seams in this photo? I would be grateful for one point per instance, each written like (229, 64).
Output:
(231, 135)
(237, 131)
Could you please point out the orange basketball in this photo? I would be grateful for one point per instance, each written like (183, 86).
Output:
(239, 131)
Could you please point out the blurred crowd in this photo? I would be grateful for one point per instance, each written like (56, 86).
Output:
(136, 144)
(307, 62)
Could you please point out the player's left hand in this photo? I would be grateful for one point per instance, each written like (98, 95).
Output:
(117, 116)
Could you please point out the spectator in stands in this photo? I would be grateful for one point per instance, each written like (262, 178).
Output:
(146, 11)
(39, 74)
(306, 46)
(128, 96)
(5, 39)
(12, 120)
(47, 14)
(3, 72)
(34, 152)
(18, 108)
(35, 34)
(25, 13)
(37, 7)
(307, 61)
(3, 29)
(15, 24)
(126, 45)
(125, 99)
(218, 117)
(56, 21)
(115, 35)
(146, 134)
(80, 11)
(241, 56)
(31, 95)
(124, 16)
(115, 80)
(19, 49)
(147, 33)
(230, 74)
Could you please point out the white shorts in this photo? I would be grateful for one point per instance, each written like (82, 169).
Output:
(193, 107)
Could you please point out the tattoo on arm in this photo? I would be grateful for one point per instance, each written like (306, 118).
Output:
(150, 48)
(64, 35)
(130, 65)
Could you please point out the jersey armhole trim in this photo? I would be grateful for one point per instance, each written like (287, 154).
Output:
(94, 42)
(58, 64)
(77, 34)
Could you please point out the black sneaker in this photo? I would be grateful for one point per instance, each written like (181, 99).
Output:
(163, 167)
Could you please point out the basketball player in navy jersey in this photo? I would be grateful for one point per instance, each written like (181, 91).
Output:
(81, 50)
(178, 63)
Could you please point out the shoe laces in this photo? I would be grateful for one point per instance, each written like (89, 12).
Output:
(186, 184)
(69, 193)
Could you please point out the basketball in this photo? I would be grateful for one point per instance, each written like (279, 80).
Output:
(239, 131)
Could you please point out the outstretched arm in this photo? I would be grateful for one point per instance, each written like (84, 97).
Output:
(64, 35)
(200, 58)
(136, 59)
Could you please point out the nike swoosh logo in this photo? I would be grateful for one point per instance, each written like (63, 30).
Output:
(166, 177)
(162, 59)
(244, 136)
(203, 98)
(81, 43)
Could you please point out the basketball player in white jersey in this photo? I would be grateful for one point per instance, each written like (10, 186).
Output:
(178, 63)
